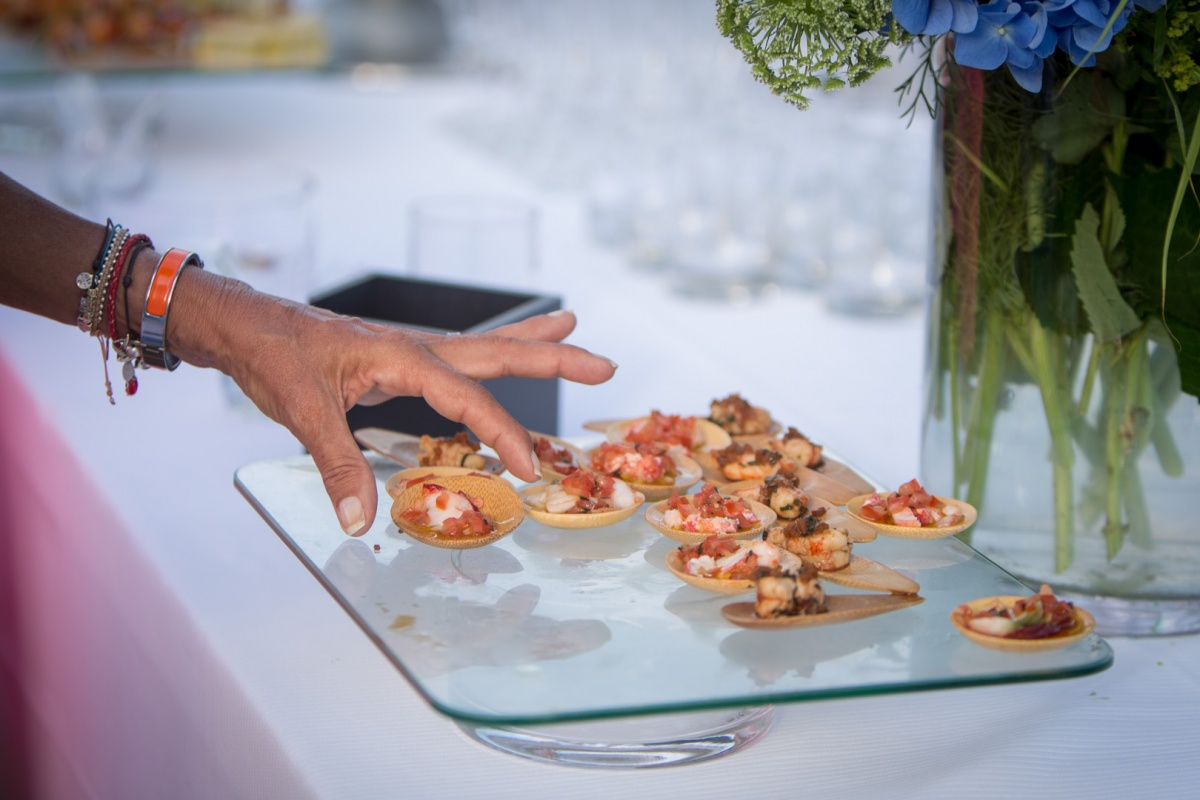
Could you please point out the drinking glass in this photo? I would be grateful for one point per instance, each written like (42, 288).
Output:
(474, 239)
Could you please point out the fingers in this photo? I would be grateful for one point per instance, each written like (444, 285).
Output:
(348, 478)
(552, 327)
(459, 398)
(485, 357)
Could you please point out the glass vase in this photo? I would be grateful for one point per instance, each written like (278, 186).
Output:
(1056, 402)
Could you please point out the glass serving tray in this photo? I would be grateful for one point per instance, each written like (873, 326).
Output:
(550, 625)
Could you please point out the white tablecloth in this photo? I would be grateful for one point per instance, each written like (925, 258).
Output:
(170, 646)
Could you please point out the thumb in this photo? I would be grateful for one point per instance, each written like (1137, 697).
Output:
(348, 478)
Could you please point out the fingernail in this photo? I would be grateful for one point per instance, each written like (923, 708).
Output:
(350, 515)
(560, 312)
(537, 464)
(612, 364)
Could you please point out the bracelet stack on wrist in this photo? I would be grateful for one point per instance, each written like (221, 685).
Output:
(112, 269)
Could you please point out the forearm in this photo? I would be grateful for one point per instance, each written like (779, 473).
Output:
(43, 248)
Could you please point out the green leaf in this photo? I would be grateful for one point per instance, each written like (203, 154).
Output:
(1110, 315)
(1146, 197)
(1189, 355)
(1076, 126)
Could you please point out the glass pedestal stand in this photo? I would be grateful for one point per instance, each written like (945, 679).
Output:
(629, 743)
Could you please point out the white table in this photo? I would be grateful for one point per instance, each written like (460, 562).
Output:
(170, 646)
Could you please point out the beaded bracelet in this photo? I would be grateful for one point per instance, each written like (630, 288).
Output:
(86, 280)
(91, 307)
(158, 304)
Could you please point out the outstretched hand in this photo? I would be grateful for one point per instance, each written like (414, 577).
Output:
(304, 367)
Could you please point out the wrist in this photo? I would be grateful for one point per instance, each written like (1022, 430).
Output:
(202, 301)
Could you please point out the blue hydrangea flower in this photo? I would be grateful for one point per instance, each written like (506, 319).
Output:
(1020, 34)
(1081, 25)
(935, 17)
(1007, 33)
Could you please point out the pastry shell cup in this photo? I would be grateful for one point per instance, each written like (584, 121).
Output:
(842, 608)
(713, 436)
(592, 519)
(549, 472)
(854, 508)
(500, 504)
(655, 516)
(688, 475)
(1083, 627)
(717, 585)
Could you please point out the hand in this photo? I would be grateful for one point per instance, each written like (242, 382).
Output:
(305, 367)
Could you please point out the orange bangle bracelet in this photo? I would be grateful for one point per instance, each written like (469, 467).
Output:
(158, 304)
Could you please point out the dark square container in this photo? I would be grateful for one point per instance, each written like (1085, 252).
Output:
(443, 308)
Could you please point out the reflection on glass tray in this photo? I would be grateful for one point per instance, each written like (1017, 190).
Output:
(552, 625)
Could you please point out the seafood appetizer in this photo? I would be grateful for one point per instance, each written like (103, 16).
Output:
(453, 451)
(838, 607)
(739, 418)
(641, 463)
(693, 434)
(457, 511)
(724, 558)
(583, 492)
(781, 493)
(741, 461)
(789, 592)
(709, 511)
(653, 470)
(912, 511)
(450, 513)
(555, 456)
(583, 499)
(810, 537)
(797, 447)
(1031, 624)
(668, 429)
(689, 519)
(427, 451)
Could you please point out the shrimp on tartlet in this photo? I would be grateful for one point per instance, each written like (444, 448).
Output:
(785, 592)
(810, 537)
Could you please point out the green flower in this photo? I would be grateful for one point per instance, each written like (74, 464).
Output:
(799, 46)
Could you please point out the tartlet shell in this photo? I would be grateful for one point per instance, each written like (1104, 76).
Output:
(715, 437)
(1083, 627)
(718, 585)
(655, 512)
(500, 504)
(863, 573)
(405, 449)
(854, 508)
(593, 519)
(858, 531)
(549, 472)
(842, 608)
(687, 477)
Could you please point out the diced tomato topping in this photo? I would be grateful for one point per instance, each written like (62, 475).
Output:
(416, 515)
(665, 428)
(926, 516)
(579, 483)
